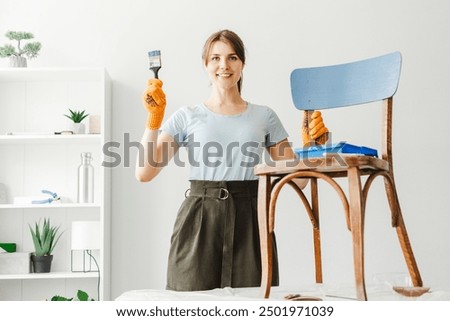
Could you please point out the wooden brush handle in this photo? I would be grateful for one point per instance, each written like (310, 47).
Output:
(308, 119)
(306, 137)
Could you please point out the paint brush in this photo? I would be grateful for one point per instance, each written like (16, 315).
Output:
(154, 59)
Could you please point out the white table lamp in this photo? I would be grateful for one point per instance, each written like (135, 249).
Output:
(85, 238)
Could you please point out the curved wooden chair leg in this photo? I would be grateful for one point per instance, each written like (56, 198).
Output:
(399, 224)
(316, 230)
(313, 213)
(317, 255)
(407, 252)
(266, 269)
(264, 235)
(313, 210)
(357, 230)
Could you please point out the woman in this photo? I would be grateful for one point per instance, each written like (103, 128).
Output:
(215, 242)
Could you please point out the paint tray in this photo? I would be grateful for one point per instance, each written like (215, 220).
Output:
(342, 147)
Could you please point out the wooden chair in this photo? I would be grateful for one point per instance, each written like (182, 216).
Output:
(356, 83)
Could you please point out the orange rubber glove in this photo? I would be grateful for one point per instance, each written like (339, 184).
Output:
(154, 100)
(314, 131)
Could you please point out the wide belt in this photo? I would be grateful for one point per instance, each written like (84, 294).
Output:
(225, 191)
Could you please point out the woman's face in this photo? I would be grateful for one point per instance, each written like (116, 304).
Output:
(223, 65)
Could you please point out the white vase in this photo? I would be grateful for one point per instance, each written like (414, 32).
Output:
(78, 128)
(17, 62)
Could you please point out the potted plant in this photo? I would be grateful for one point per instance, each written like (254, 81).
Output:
(16, 57)
(77, 117)
(45, 238)
(81, 296)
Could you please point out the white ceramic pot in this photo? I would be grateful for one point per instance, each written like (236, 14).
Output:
(78, 128)
(17, 62)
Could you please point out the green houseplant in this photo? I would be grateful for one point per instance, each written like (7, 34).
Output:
(77, 116)
(81, 296)
(16, 54)
(45, 238)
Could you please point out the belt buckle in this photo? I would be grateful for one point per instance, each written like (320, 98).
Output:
(225, 192)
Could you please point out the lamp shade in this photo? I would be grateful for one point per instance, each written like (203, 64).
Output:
(85, 235)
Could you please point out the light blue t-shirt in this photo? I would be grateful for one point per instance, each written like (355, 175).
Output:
(225, 147)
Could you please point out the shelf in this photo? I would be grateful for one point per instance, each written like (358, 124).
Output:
(60, 205)
(51, 74)
(51, 275)
(49, 139)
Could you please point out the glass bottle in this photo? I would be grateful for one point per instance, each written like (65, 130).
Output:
(86, 179)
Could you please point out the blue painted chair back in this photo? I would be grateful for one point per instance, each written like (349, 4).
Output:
(347, 84)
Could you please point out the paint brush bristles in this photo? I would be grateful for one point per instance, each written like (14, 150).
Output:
(154, 58)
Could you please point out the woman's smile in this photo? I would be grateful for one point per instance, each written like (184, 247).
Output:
(224, 75)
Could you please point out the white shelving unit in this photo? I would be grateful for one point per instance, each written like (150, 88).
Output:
(33, 158)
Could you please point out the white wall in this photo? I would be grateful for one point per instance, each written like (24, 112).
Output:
(279, 35)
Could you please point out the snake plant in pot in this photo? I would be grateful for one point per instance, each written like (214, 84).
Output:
(45, 237)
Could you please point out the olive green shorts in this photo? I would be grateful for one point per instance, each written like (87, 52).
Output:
(215, 242)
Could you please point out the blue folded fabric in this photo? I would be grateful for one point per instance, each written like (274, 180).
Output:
(342, 147)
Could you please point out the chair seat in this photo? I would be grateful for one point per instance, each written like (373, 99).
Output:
(335, 165)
